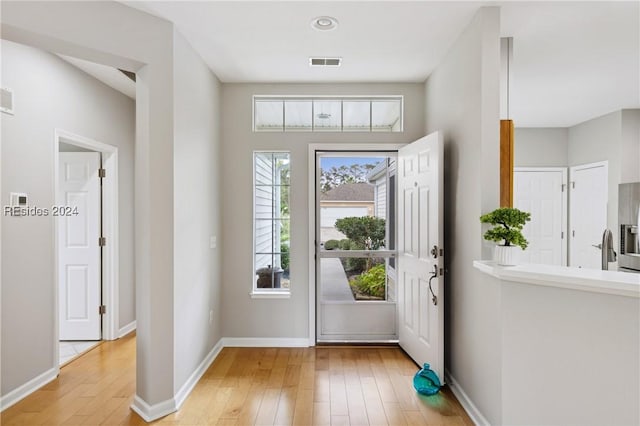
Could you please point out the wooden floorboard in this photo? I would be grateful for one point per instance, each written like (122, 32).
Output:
(248, 386)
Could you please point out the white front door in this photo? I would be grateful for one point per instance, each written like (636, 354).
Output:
(588, 210)
(420, 261)
(78, 215)
(542, 192)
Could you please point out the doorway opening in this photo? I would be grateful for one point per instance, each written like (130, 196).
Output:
(417, 302)
(86, 244)
(355, 246)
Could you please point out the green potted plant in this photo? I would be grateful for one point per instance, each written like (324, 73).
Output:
(508, 223)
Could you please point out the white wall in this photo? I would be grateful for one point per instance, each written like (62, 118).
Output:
(600, 139)
(243, 316)
(569, 357)
(541, 147)
(50, 94)
(462, 100)
(630, 146)
(197, 174)
(116, 35)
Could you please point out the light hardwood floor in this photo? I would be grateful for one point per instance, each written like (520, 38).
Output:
(247, 386)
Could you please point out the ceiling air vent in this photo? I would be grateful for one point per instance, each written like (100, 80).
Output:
(7, 101)
(325, 62)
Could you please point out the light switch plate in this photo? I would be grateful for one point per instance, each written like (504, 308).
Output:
(18, 199)
(213, 242)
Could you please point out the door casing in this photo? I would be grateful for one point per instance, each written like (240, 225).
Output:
(110, 252)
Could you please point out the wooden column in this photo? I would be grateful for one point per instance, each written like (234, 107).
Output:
(506, 163)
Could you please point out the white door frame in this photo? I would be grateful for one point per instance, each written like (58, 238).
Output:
(311, 170)
(565, 202)
(110, 252)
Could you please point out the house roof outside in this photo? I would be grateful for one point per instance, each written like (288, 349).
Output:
(360, 191)
(377, 171)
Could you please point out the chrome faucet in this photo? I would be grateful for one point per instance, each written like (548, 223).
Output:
(608, 253)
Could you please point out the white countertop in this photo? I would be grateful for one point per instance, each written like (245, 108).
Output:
(593, 280)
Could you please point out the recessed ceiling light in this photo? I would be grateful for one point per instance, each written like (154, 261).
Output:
(324, 23)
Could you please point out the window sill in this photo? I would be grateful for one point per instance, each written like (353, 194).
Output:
(270, 294)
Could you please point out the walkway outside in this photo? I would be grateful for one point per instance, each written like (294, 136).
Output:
(334, 282)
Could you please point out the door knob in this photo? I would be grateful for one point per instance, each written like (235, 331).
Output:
(598, 246)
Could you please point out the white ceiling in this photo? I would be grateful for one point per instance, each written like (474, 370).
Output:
(271, 41)
(572, 60)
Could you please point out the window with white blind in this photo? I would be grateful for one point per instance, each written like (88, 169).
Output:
(271, 219)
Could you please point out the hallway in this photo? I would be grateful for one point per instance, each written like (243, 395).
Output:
(96, 388)
(245, 386)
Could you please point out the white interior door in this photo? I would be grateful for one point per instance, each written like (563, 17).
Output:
(420, 229)
(78, 195)
(588, 195)
(542, 192)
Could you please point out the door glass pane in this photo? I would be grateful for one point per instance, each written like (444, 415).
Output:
(298, 115)
(385, 116)
(353, 203)
(356, 116)
(268, 116)
(353, 215)
(327, 116)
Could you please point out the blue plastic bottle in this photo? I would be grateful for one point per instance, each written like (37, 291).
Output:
(426, 381)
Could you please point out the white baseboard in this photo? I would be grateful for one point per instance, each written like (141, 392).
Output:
(265, 342)
(468, 405)
(28, 388)
(152, 412)
(127, 329)
(193, 380)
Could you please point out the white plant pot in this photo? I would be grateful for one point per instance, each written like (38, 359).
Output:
(506, 255)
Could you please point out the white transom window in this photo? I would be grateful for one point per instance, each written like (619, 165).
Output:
(327, 114)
